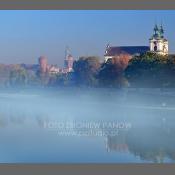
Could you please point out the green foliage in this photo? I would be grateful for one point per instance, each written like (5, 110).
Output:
(151, 70)
(111, 74)
(4, 75)
(147, 70)
(63, 79)
(18, 76)
(85, 71)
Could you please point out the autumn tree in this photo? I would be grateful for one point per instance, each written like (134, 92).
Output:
(111, 72)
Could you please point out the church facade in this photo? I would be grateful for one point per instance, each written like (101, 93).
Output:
(157, 43)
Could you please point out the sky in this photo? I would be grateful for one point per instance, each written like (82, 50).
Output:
(27, 34)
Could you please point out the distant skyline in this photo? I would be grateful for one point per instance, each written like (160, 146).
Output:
(27, 34)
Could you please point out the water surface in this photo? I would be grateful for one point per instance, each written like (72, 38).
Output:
(87, 126)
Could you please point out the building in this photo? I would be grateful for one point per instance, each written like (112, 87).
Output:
(158, 44)
(43, 64)
(68, 62)
(44, 67)
(53, 69)
(113, 51)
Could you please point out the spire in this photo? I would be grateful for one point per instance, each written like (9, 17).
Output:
(158, 35)
(108, 45)
(67, 52)
(161, 30)
(68, 62)
(158, 31)
(107, 48)
(156, 28)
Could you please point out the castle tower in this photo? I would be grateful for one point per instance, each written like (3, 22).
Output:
(158, 43)
(43, 64)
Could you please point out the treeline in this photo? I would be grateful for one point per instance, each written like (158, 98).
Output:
(151, 70)
(18, 76)
(147, 70)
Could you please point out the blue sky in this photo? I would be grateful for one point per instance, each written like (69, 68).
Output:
(27, 34)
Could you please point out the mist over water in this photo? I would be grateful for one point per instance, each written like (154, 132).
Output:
(72, 125)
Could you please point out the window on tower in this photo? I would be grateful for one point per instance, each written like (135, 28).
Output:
(155, 48)
(164, 48)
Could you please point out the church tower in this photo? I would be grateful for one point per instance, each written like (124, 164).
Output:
(69, 60)
(158, 43)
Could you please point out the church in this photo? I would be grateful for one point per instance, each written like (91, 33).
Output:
(157, 43)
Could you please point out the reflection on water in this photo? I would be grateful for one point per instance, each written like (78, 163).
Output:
(109, 126)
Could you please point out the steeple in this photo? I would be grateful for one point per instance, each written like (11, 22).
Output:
(156, 29)
(67, 52)
(107, 48)
(162, 31)
(68, 61)
(158, 43)
(158, 32)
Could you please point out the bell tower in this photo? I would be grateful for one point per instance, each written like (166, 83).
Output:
(158, 43)
(69, 60)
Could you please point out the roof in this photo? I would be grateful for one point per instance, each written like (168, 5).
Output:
(158, 38)
(131, 50)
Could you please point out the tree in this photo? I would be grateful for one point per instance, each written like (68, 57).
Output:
(85, 71)
(149, 70)
(111, 72)
(18, 76)
(4, 75)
